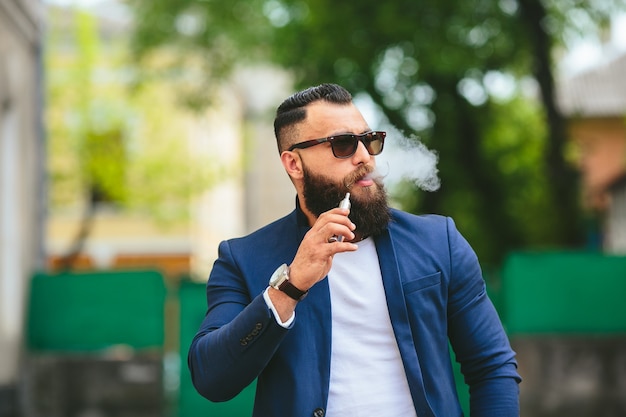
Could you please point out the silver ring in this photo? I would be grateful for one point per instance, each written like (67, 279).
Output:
(332, 239)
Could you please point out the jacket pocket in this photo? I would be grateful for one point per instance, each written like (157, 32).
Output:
(421, 283)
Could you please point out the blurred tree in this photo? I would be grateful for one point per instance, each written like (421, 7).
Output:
(109, 144)
(435, 68)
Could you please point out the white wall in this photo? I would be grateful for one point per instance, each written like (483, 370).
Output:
(239, 131)
(21, 175)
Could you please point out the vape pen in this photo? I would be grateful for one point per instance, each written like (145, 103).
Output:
(344, 204)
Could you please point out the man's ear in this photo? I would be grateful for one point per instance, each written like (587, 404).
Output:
(292, 163)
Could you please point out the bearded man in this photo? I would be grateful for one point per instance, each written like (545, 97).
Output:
(349, 311)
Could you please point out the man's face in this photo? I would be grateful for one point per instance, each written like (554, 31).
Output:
(369, 211)
(326, 179)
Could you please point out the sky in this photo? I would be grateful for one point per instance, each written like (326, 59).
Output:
(587, 53)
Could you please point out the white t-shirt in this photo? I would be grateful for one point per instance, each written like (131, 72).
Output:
(367, 377)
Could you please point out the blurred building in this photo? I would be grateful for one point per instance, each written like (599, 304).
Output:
(241, 131)
(253, 189)
(236, 130)
(240, 134)
(21, 180)
(594, 103)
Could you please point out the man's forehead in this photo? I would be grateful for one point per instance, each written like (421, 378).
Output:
(332, 115)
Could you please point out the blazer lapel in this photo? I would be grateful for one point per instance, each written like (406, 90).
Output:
(392, 282)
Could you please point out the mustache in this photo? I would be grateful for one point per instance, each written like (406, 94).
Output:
(363, 172)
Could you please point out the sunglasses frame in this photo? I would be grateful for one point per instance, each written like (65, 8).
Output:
(356, 137)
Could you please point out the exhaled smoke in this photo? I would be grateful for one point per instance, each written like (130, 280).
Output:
(408, 159)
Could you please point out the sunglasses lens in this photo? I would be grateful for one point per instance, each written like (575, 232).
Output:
(374, 142)
(344, 145)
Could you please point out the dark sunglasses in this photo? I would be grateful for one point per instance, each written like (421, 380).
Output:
(344, 146)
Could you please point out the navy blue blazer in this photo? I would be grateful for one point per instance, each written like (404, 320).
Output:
(435, 294)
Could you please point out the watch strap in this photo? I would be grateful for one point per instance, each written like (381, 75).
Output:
(291, 290)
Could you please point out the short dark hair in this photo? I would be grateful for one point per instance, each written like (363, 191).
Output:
(292, 110)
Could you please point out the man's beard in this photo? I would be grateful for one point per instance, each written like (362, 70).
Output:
(370, 213)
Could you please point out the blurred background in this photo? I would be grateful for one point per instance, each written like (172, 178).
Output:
(135, 135)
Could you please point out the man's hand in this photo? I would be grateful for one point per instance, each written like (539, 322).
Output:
(315, 256)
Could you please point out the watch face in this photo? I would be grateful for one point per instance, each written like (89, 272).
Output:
(279, 276)
(280, 281)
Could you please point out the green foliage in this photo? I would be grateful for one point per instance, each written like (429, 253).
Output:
(111, 140)
(205, 40)
(429, 66)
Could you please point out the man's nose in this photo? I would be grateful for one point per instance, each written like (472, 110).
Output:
(361, 155)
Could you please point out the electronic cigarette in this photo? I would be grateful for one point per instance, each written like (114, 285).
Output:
(344, 204)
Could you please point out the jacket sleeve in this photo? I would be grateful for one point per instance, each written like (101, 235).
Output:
(478, 337)
(238, 336)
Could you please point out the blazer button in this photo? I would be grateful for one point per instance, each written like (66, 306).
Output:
(319, 412)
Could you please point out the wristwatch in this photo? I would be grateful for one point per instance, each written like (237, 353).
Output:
(280, 281)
